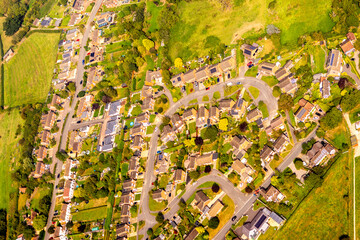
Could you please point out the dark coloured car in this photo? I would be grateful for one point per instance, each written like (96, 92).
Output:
(233, 218)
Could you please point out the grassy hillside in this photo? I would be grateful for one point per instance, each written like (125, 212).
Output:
(203, 18)
(325, 213)
(28, 74)
(8, 152)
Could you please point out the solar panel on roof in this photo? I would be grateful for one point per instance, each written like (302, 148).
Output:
(247, 52)
(213, 70)
(260, 221)
(266, 68)
(332, 59)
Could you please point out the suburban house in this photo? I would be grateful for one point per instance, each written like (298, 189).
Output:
(284, 72)
(143, 118)
(105, 19)
(133, 167)
(259, 224)
(8, 55)
(153, 77)
(215, 209)
(56, 100)
(250, 51)
(179, 176)
(48, 120)
(318, 153)
(271, 194)
(148, 104)
(189, 115)
(325, 88)
(65, 213)
(168, 134)
(347, 47)
(244, 171)
(304, 111)
(189, 76)
(136, 143)
(74, 19)
(161, 164)
(253, 115)
(178, 124)
(41, 153)
(177, 80)
(128, 185)
(281, 143)
(202, 117)
(69, 190)
(68, 166)
(275, 125)
(127, 198)
(192, 234)
(239, 144)
(190, 163)
(214, 115)
(239, 108)
(202, 74)
(226, 104)
(39, 169)
(227, 65)
(146, 92)
(206, 159)
(122, 230)
(267, 69)
(266, 154)
(45, 138)
(139, 130)
(288, 85)
(159, 195)
(334, 63)
(214, 71)
(201, 200)
(125, 210)
(78, 5)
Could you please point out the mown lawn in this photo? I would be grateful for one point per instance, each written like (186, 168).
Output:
(263, 109)
(156, 206)
(319, 58)
(9, 152)
(324, 213)
(254, 92)
(28, 74)
(201, 19)
(90, 214)
(270, 80)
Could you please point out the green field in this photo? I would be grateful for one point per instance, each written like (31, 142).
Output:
(319, 58)
(28, 74)
(201, 19)
(90, 214)
(8, 143)
(325, 213)
(154, 13)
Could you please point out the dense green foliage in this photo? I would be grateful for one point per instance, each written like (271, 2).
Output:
(332, 119)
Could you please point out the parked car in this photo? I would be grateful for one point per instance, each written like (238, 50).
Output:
(207, 88)
(233, 218)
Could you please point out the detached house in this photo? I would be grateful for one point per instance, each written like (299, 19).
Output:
(168, 134)
(306, 108)
(239, 108)
(202, 117)
(201, 200)
(275, 125)
(253, 115)
(148, 104)
(206, 159)
(179, 176)
(189, 115)
(334, 63)
(325, 88)
(179, 125)
(153, 77)
(271, 194)
(226, 104)
(347, 47)
(266, 154)
(159, 195)
(267, 69)
(250, 51)
(215, 209)
(244, 171)
(318, 153)
(281, 143)
(239, 145)
(214, 115)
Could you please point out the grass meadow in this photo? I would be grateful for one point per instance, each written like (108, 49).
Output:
(5, 39)
(325, 213)
(8, 152)
(28, 74)
(201, 19)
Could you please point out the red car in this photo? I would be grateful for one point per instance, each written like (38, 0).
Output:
(207, 88)
(249, 63)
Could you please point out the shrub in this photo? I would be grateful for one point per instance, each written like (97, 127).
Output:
(214, 222)
(160, 217)
(298, 163)
(215, 188)
(81, 94)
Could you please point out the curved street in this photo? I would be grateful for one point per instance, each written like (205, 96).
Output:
(265, 95)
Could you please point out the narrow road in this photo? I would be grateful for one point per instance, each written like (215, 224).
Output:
(70, 112)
